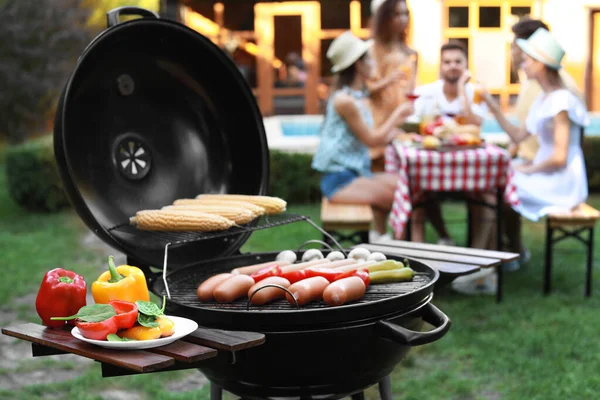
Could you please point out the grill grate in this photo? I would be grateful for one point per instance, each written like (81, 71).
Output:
(160, 239)
(183, 292)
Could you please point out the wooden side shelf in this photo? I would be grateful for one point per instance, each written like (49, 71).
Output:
(186, 353)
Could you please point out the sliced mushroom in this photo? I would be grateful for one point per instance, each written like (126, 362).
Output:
(335, 256)
(312, 254)
(360, 254)
(287, 255)
(376, 256)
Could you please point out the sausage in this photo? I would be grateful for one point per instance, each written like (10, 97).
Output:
(206, 288)
(344, 290)
(299, 266)
(269, 294)
(350, 267)
(337, 264)
(307, 290)
(233, 288)
(250, 269)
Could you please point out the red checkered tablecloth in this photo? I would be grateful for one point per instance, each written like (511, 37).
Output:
(470, 170)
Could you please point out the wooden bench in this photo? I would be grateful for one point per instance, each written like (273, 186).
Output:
(356, 218)
(450, 261)
(571, 224)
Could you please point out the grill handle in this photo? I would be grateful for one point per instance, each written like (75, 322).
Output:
(275, 286)
(404, 336)
(112, 17)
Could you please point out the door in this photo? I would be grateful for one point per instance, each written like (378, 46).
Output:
(269, 18)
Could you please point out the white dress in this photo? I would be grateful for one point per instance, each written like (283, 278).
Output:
(541, 193)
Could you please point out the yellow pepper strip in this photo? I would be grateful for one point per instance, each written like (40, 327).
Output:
(166, 326)
(124, 282)
(140, 332)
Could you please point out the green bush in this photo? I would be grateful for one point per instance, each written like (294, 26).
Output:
(292, 178)
(33, 180)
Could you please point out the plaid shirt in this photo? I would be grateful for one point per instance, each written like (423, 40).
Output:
(339, 149)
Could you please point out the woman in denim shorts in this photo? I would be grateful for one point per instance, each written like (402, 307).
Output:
(347, 133)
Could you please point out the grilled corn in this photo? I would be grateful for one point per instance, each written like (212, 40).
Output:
(272, 205)
(179, 220)
(257, 210)
(238, 215)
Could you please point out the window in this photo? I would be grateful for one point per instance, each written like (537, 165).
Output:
(520, 11)
(458, 17)
(489, 17)
(336, 15)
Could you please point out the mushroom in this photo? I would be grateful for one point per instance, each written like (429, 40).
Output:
(287, 255)
(376, 256)
(360, 254)
(312, 254)
(335, 256)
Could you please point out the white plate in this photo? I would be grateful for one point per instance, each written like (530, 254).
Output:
(183, 327)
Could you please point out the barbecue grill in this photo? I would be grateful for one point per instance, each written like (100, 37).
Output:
(155, 112)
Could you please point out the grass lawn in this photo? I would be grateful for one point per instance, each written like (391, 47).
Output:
(528, 347)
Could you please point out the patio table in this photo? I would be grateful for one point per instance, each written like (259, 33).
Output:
(484, 169)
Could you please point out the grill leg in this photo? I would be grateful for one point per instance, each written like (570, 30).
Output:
(358, 396)
(469, 222)
(590, 260)
(216, 392)
(548, 261)
(385, 388)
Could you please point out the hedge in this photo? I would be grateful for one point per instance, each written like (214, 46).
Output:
(34, 182)
(32, 175)
(292, 178)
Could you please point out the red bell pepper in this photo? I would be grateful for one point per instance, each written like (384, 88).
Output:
(294, 276)
(98, 330)
(327, 273)
(361, 273)
(266, 272)
(62, 293)
(127, 313)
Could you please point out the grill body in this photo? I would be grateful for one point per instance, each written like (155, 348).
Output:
(317, 350)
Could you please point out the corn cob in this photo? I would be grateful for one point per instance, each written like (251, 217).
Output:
(179, 220)
(272, 205)
(238, 215)
(257, 210)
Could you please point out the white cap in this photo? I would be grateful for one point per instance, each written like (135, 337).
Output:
(345, 50)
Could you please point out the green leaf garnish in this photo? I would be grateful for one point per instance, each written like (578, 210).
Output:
(91, 313)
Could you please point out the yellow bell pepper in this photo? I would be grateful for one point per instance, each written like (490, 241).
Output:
(124, 282)
(166, 326)
(140, 332)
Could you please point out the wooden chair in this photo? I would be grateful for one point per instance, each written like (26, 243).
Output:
(571, 224)
(342, 217)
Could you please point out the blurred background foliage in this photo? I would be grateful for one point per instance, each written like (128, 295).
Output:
(40, 42)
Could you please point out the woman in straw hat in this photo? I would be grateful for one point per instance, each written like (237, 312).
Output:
(556, 179)
(395, 69)
(347, 131)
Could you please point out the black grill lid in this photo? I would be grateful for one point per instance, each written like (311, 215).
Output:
(154, 112)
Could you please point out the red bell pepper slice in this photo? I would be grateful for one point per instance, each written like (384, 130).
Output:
(97, 330)
(266, 272)
(127, 313)
(327, 273)
(62, 293)
(361, 273)
(294, 276)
